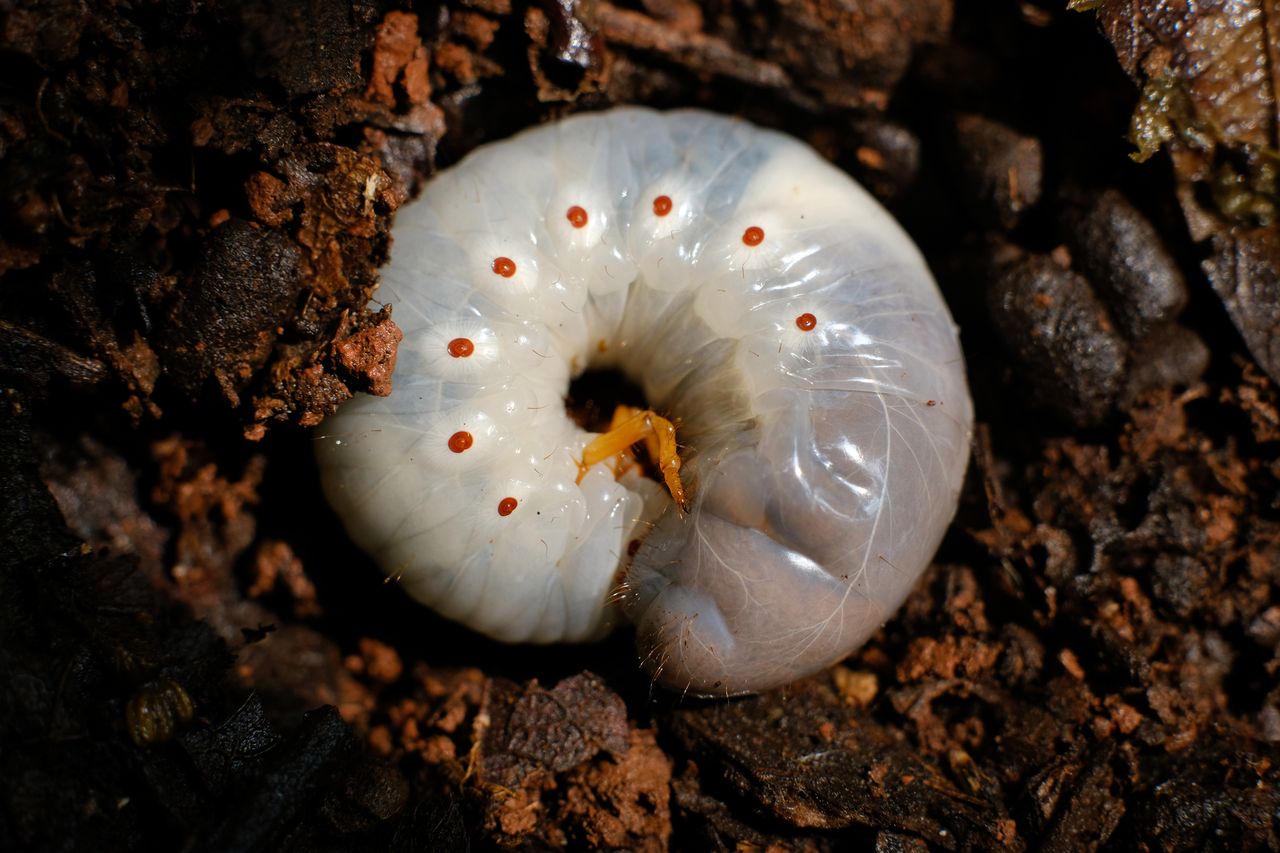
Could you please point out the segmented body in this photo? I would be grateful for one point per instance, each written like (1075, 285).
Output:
(758, 295)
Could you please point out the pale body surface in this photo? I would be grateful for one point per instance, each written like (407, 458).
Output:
(824, 463)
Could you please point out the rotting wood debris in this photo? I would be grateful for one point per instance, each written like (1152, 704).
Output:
(196, 200)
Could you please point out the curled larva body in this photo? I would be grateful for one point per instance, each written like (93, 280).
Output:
(759, 296)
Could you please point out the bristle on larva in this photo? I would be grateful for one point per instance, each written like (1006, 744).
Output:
(770, 309)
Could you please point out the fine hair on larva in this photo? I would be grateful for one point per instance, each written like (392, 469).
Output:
(765, 304)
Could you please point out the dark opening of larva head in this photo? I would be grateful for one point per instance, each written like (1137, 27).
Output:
(595, 395)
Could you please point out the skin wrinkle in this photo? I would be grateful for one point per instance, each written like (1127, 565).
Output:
(707, 326)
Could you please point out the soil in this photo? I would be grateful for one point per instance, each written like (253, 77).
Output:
(194, 203)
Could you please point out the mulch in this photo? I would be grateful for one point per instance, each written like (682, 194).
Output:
(196, 199)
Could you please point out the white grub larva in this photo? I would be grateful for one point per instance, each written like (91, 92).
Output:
(761, 298)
